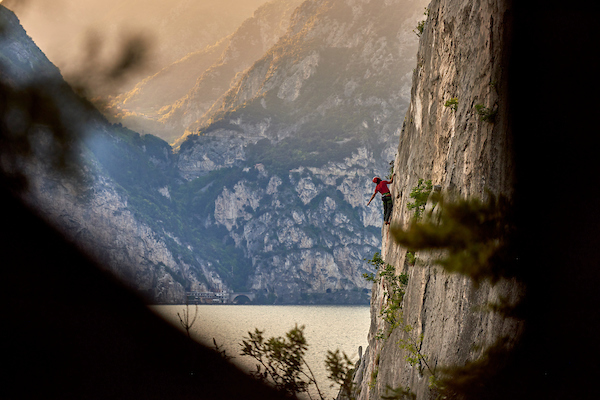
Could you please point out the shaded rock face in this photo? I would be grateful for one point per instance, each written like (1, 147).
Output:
(461, 56)
(100, 223)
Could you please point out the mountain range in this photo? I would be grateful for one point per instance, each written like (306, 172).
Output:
(265, 187)
(70, 31)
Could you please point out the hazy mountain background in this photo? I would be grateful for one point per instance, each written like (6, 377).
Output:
(265, 189)
(181, 93)
(66, 29)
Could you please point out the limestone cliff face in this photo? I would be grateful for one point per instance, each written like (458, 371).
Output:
(461, 56)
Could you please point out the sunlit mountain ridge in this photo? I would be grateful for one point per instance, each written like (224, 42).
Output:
(166, 103)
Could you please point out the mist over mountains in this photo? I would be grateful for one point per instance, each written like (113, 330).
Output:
(280, 131)
(181, 93)
(66, 29)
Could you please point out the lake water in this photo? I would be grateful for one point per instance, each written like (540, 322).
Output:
(326, 328)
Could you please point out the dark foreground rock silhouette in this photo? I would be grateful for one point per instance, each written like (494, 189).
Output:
(97, 342)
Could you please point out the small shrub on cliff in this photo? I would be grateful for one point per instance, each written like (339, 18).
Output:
(376, 260)
(413, 347)
(420, 194)
(399, 393)
(476, 235)
(485, 114)
(452, 104)
(394, 292)
(421, 25)
(373, 380)
(411, 258)
(378, 263)
(420, 28)
(369, 277)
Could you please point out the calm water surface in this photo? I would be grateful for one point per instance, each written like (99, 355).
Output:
(326, 328)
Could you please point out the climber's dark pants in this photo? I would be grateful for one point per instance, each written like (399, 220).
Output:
(387, 208)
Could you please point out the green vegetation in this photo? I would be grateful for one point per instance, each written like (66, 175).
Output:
(281, 362)
(375, 372)
(392, 315)
(475, 234)
(420, 194)
(413, 347)
(452, 104)
(399, 393)
(394, 286)
(369, 277)
(186, 320)
(485, 114)
(419, 29)
(411, 258)
(341, 371)
(391, 170)
(373, 380)
(377, 262)
(421, 24)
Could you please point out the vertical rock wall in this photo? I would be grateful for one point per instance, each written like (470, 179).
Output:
(461, 56)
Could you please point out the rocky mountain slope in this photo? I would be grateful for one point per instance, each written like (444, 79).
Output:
(167, 102)
(461, 63)
(308, 125)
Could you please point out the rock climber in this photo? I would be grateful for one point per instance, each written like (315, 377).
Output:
(386, 196)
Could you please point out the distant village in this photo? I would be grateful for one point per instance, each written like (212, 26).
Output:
(219, 297)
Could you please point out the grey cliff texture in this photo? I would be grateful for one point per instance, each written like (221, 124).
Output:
(461, 56)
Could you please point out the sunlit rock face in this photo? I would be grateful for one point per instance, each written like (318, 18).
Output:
(462, 55)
